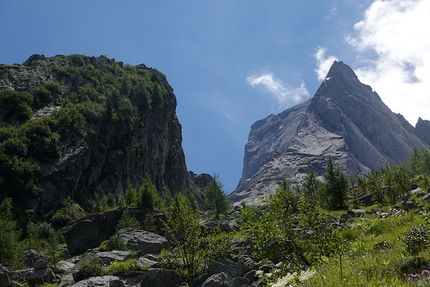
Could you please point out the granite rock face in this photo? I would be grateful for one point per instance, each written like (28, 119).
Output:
(345, 119)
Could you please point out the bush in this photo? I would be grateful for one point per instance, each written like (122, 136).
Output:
(417, 239)
(91, 266)
(69, 211)
(120, 268)
(127, 221)
(115, 242)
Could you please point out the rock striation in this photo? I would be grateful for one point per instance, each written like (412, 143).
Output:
(345, 120)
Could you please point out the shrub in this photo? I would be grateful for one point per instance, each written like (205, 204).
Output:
(69, 211)
(91, 266)
(115, 242)
(120, 268)
(417, 239)
(127, 221)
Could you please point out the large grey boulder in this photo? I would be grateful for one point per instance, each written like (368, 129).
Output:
(343, 119)
(88, 232)
(144, 241)
(157, 277)
(217, 280)
(35, 277)
(227, 266)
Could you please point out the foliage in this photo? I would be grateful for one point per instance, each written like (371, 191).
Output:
(215, 199)
(42, 237)
(310, 186)
(127, 221)
(69, 210)
(335, 186)
(146, 196)
(10, 250)
(91, 266)
(184, 235)
(17, 103)
(115, 242)
(121, 267)
(417, 239)
(289, 229)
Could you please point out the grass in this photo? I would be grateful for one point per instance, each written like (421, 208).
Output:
(360, 264)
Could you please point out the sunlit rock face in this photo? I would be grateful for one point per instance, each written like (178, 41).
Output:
(345, 119)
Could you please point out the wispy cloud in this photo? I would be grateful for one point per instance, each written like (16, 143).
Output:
(323, 63)
(393, 48)
(277, 88)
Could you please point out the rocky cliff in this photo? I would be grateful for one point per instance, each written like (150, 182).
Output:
(86, 127)
(345, 119)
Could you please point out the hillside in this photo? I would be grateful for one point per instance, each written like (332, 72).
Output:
(84, 127)
(345, 120)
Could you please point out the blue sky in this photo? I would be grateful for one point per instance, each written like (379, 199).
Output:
(232, 63)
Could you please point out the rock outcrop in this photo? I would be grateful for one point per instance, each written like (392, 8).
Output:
(345, 120)
(130, 131)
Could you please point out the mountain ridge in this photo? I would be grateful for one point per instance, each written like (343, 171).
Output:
(345, 119)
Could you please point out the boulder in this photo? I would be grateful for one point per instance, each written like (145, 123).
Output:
(213, 224)
(89, 231)
(40, 264)
(157, 277)
(239, 282)
(145, 241)
(35, 277)
(31, 256)
(217, 280)
(4, 279)
(115, 255)
(143, 261)
(228, 267)
(97, 281)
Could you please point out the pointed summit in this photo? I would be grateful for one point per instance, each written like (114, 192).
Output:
(345, 120)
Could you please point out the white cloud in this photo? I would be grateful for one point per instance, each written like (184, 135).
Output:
(394, 54)
(323, 63)
(277, 88)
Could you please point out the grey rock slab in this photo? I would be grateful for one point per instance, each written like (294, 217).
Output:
(227, 266)
(157, 277)
(115, 255)
(145, 241)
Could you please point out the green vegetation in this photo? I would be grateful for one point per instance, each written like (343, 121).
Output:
(215, 199)
(78, 96)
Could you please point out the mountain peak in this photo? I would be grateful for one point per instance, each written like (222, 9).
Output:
(345, 120)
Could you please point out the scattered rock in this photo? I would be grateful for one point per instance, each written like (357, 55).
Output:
(239, 282)
(227, 266)
(213, 224)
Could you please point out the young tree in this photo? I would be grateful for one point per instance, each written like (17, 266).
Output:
(184, 234)
(310, 185)
(215, 199)
(10, 251)
(335, 186)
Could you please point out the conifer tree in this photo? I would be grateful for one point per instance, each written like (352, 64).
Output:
(335, 186)
(215, 199)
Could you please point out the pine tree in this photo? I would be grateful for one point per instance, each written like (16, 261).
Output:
(335, 186)
(215, 199)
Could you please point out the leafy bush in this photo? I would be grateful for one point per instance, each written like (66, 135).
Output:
(417, 239)
(115, 242)
(91, 266)
(127, 221)
(120, 268)
(18, 104)
(68, 211)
